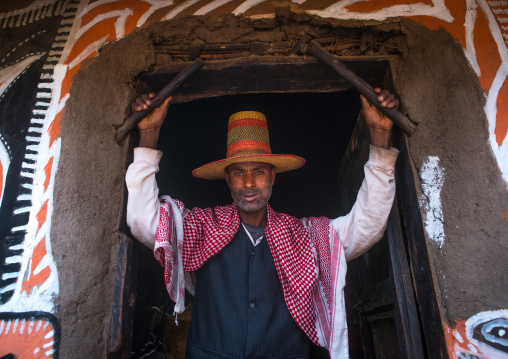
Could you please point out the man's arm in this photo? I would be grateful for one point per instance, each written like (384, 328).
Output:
(364, 225)
(143, 199)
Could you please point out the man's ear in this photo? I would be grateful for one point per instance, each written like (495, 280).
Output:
(274, 172)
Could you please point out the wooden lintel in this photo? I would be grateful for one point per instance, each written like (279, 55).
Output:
(265, 74)
(218, 65)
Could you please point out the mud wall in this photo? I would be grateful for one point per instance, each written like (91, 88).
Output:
(66, 74)
(461, 190)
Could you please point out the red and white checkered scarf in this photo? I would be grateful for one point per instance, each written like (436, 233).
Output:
(307, 253)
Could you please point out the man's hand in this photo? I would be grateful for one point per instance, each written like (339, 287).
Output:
(149, 127)
(380, 125)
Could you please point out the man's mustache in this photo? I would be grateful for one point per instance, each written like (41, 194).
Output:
(249, 192)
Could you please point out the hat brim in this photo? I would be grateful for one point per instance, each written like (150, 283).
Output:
(282, 163)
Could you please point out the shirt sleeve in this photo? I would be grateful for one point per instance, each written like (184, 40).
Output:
(143, 198)
(365, 224)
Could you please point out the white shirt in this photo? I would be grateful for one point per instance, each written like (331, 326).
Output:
(359, 230)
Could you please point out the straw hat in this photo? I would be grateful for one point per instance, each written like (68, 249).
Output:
(248, 142)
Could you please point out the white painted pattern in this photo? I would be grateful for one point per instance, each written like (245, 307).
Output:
(22, 210)
(22, 43)
(89, 7)
(90, 49)
(31, 326)
(485, 317)
(178, 9)
(119, 24)
(339, 10)
(8, 288)
(155, 5)
(457, 335)
(432, 178)
(500, 152)
(10, 275)
(42, 296)
(470, 50)
(5, 162)
(246, 5)
(19, 228)
(32, 8)
(9, 74)
(211, 6)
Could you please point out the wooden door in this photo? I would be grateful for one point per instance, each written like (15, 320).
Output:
(381, 303)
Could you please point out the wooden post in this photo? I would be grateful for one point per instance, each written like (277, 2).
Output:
(363, 87)
(131, 121)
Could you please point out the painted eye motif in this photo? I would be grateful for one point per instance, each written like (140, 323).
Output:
(4, 166)
(493, 333)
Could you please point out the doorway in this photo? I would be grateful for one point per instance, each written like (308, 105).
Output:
(315, 126)
(320, 124)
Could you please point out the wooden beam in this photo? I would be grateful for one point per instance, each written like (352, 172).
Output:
(362, 86)
(417, 247)
(161, 96)
(123, 311)
(264, 74)
(410, 341)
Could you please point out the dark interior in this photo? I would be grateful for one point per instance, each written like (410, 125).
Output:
(315, 126)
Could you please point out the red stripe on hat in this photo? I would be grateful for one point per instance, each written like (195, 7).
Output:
(254, 146)
(247, 122)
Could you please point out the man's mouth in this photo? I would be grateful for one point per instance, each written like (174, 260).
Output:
(249, 196)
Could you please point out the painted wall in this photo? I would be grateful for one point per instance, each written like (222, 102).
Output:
(44, 44)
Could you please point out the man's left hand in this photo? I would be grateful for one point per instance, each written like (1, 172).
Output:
(379, 124)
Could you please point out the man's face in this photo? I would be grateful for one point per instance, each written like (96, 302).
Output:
(250, 184)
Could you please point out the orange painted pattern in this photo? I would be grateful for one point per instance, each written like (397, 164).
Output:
(457, 341)
(454, 28)
(481, 336)
(34, 279)
(47, 172)
(27, 338)
(41, 216)
(487, 51)
(54, 128)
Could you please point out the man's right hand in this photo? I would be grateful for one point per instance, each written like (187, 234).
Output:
(149, 126)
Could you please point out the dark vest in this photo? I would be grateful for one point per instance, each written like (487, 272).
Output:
(239, 310)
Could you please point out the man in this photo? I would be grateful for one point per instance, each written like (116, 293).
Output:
(266, 281)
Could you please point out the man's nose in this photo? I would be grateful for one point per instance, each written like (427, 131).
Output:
(249, 181)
